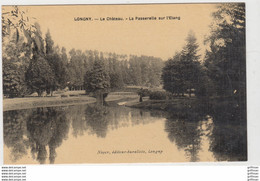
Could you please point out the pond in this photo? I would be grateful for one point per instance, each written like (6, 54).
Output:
(118, 134)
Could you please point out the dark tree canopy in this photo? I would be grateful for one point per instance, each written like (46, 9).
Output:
(97, 81)
(172, 75)
(226, 57)
(49, 47)
(39, 75)
(180, 73)
(97, 78)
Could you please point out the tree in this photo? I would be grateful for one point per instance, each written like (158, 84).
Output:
(76, 69)
(15, 62)
(18, 33)
(135, 70)
(155, 72)
(58, 66)
(181, 73)
(226, 56)
(59, 71)
(190, 61)
(205, 86)
(64, 56)
(115, 73)
(16, 21)
(172, 75)
(13, 80)
(116, 81)
(39, 75)
(97, 81)
(49, 44)
(125, 72)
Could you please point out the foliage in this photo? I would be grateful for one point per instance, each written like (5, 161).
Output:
(77, 68)
(39, 75)
(181, 72)
(59, 70)
(223, 70)
(160, 95)
(15, 61)
(143, 92)
(24, 44)
(16, 50)
(15, 21)
(49, 44)
(190, 61)
(116, 81)
(56, 63)
(97, 79)
(172, 75)
(13, 80)
(205, 86)
(226, 57)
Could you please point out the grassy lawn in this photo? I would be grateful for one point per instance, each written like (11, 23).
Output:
(71, 98)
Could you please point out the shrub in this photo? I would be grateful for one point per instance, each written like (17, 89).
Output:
(160, 95)
(143, 92)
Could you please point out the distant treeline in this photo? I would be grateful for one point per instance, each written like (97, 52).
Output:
(32, 62)
(122, 69)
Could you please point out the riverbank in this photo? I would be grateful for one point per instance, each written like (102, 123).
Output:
(33, 102)
(192, 105)
(176, 104)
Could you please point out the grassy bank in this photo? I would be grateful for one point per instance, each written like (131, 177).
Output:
(176, 104)
(33, 102)
(193, 105)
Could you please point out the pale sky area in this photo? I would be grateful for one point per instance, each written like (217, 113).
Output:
(160, 38)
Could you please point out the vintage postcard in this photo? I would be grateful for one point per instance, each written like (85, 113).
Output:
(141, 83)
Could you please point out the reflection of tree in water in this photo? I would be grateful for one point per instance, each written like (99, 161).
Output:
(39, 126)
(60, 130)
(96, 120)
(91, 118)
(184, 129)
(14, 129)
(229, 135)
(46, 127)
(226, 133)
(77, 116)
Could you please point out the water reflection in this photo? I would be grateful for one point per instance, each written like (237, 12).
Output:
(38, 130)
(228, 137)
(47, 128)
(14, 131)
(98, 120)
(224, 129)
(184, 129)
(213, 134)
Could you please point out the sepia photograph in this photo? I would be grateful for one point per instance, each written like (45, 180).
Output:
(124, 83)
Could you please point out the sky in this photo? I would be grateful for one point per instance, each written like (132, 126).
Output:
(159, 38)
